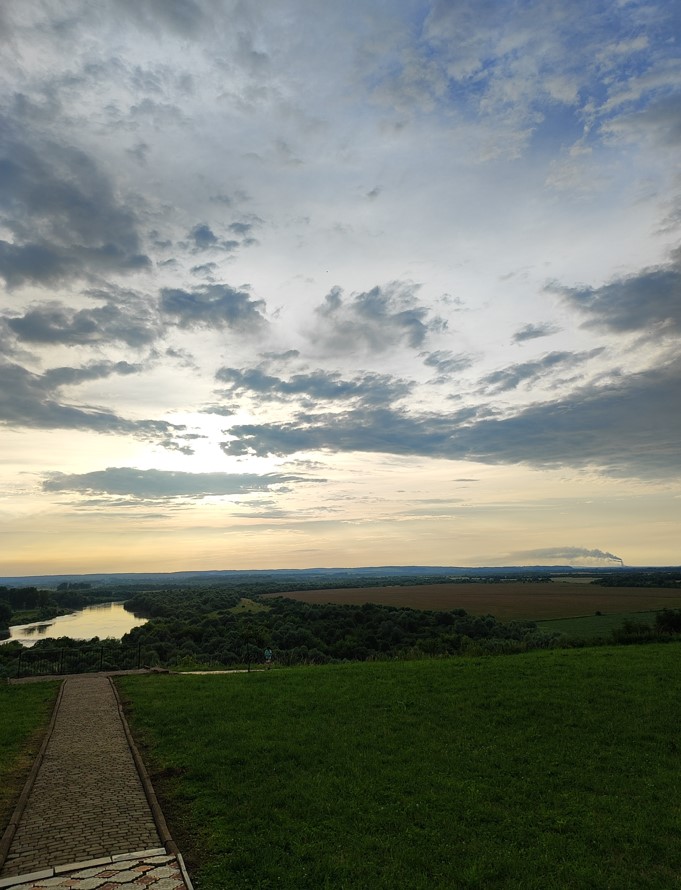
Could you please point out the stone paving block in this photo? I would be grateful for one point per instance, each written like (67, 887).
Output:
(34, 876)
(75, 866)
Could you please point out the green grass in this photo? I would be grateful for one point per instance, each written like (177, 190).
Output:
(249, 605)
(25, 711)
(555, 769)
(592, 627)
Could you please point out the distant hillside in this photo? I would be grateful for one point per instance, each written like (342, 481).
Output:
(115, 579)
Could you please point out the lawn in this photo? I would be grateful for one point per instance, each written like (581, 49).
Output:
(25, 711)
(548, 770)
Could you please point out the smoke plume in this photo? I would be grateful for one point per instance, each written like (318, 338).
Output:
(567, 555)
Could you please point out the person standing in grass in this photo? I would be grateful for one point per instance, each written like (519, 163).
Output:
(268, 658)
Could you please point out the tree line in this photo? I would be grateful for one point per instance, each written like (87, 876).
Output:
(203, 626)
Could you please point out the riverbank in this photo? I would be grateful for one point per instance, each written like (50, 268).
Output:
(109, 620)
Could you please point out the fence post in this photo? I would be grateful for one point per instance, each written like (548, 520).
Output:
(139, 655)
(101, 657)
(61, 661)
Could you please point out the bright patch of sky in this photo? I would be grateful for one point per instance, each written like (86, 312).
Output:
(276, 277)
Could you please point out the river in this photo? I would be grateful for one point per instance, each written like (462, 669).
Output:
(101, 620)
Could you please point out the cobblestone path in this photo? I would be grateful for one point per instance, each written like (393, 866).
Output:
(87, 802)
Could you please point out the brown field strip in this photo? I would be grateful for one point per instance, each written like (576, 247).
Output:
(504, 600)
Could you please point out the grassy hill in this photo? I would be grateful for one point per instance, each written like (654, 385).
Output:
(552, 769)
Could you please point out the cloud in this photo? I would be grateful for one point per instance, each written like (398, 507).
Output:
(241, 228)
(53, 323)
(214, 305)
(529, 373)
(362, 429)
(65, 218)
(446, 362)
(646, 302)
(316, 386)
(206, 269)
(31, 400)
(203, 238)
(631, 427)
(375, 320)
(535, 331)
(37, 263)
(58, 377)
(165, 484)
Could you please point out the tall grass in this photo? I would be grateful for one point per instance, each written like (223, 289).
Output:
(547, 770)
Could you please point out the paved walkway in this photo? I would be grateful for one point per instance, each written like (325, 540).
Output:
(87, 819)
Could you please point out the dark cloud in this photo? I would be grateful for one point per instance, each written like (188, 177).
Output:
(375, 320)
(204, 269)
(220, 410)
(281, 357)
(37, 263)
(181, 443)
(648, 302)
(628, 428)
(65, 219)
(52, 323)
(32, 401)
(240, 228)
(535, 331)
(203, 237)
(57, 377)
(535, 371)
(363, 429)
(446, 363)
(162, 484)
(316, 386)
(214, 305)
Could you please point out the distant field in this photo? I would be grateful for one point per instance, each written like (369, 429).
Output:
(511, 600)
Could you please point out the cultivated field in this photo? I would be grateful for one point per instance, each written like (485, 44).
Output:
(505, 600)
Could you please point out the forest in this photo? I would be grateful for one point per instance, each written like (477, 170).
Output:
(208, 626)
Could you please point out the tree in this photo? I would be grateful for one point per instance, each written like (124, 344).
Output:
(668, 621)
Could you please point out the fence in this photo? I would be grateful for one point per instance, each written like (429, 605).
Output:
(45, 662)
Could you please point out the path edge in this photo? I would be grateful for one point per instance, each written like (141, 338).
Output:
(152, 800)
(18, 812)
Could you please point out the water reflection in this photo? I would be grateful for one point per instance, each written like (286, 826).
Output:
(30, 629)
(104, 620)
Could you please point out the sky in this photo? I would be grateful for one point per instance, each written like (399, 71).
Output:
(299, 284)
